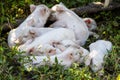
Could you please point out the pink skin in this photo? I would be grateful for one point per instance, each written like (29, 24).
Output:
(35, 32)
(37, 18)
(92, 25)
(98, 50)
(40, 50)
(66, 58)
(66, 18)
(72, 53)
(40, 14)
(51, 36)
(64, 44)
(46, 49)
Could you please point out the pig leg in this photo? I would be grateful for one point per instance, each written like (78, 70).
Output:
(94, 34)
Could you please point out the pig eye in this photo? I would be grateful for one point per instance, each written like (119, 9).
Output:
(50, 51)
(31, 50)
(33, 25)
(25, 36)
(71, 54)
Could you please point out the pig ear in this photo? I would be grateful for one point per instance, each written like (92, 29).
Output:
(32, 7)
(53, 51)
(61, 3)
(32, 32)
(31, 50)
(70, 56)
(60, 9)
(88, 21)
(108, 45)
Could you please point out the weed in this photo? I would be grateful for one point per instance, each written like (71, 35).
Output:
(11, 69)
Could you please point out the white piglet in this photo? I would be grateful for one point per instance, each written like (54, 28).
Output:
(92, 25)
(63, 45)
(56, 35)
(33, 32)
(98, 50)
(37, 18)
(66, 58)
(68, 19)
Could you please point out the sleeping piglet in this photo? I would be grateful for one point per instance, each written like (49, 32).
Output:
(33, 32)
(68, 19)
(98, 50)
(55, 35)
(66, 58)
(92, 25)
(37, 18)
(65, 44)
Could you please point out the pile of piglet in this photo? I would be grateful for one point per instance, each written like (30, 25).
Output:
(63, 39)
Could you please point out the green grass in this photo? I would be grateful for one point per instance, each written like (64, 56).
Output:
(108, 29)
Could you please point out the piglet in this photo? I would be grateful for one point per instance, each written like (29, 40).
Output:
(64, 44)
(67, 58)
(68, 19)
(98, 50)
(33, 32)
(56, 35)
(39, 15)
(92, 25)
(37, 18)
